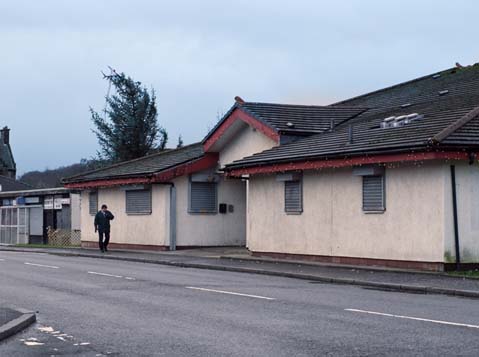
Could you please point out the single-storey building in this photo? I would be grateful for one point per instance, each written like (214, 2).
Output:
(396, 185)
(387, 178)
(181, 198)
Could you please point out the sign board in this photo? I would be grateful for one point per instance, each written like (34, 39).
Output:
(57, 203)
(7, 202)
(48, 203)
(65, 201)
(32, 199)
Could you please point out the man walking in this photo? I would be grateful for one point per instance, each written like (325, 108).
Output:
(102, 226)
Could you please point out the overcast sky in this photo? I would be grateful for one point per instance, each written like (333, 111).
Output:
(199, 54)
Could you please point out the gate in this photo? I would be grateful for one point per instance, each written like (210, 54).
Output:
(14, 227)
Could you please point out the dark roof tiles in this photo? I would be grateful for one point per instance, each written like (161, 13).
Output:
(369, 137)
(147, 165)
(304, 118)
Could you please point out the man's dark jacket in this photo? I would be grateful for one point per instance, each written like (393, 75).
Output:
(102, 221)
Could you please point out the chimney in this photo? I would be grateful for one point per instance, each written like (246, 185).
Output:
(5, 134)
(239, 100)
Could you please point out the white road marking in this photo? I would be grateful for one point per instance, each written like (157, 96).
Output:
(2, 260)
(111, 275)
(43, 266)
(414, 318)
(230, 293)
(105, 274)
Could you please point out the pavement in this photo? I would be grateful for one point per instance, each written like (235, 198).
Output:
(99, 307)
(238, 260)
(13, 320)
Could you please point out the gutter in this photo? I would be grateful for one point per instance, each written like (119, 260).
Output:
(346, 162)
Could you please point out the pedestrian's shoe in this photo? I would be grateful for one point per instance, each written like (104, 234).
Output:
(106, 250)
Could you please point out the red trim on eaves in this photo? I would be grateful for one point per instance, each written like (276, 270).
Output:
(362, 160)
(238, 114)
(209, 160)
(110, 182)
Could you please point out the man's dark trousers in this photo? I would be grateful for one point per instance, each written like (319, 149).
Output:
(103, 243)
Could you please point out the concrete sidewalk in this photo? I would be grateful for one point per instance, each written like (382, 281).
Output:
(14, 320)
(238, 260)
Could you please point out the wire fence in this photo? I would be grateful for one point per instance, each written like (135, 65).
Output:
(64, 237)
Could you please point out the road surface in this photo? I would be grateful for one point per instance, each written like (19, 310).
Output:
(95, 307)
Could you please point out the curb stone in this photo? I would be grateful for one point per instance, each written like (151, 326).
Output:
(344, 281)
(16, 325)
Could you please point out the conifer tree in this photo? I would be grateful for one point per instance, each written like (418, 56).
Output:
(129, 128)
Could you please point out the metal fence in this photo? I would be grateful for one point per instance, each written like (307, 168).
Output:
(14, 225)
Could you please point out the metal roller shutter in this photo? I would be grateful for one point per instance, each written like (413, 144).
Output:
(203, 197)
(93, 203)
(138, 201)
(373, 193)
(293, 197)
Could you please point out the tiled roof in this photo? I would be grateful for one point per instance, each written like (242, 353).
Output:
(9, 184)
(444, 98)
(304, 118)
(144, 166)
(456, 81)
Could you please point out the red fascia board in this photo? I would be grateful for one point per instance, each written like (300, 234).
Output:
(209, 160)
(110, 182)
(362, 160)
(239, 114)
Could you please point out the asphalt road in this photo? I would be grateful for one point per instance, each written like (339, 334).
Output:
(95, 307)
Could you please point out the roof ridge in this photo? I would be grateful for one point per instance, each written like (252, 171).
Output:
(444, 133)
(394, 86)
(128, 161)
(326, 106)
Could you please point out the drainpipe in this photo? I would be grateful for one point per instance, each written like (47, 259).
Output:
(454, 212)
(172, 243)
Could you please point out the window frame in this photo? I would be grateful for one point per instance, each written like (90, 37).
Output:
(382, 208)
(139, 213)
(301, 203)
(190, 197)
(89, 203)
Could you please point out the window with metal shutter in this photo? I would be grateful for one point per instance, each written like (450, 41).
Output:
(203, 197)
(93, 203)
(293, 197)
(373, 194)
(138, 201)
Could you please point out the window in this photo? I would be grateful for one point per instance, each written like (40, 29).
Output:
(138, 201)
(93, 203)
(293, 196)
(373, 193)
(203, 197)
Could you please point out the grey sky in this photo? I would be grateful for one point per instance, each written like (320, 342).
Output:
(199, 54)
